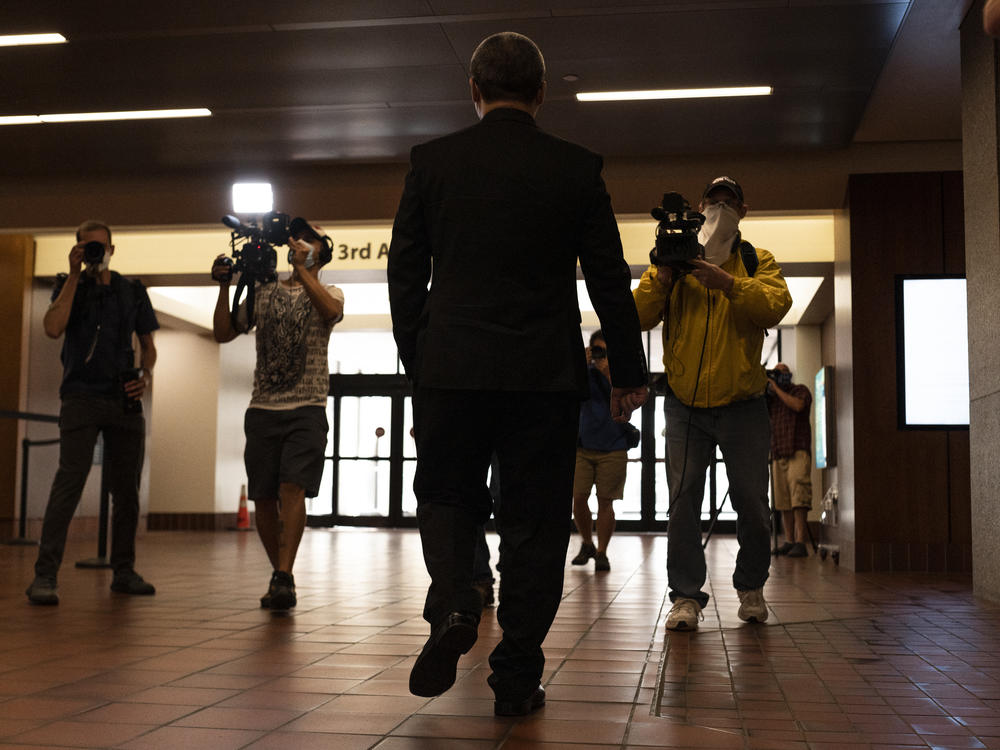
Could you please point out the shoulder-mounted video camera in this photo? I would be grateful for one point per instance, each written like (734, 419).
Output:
(256, 261)
(676, 234)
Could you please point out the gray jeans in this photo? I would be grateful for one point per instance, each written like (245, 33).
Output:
(81, 418)
(742, 431)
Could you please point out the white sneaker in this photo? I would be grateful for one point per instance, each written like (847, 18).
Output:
(684, 615)
(753, 608)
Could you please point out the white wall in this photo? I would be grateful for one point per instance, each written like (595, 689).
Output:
(236, 363)
(181, 453)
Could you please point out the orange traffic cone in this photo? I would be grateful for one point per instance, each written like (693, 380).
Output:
(243, 515)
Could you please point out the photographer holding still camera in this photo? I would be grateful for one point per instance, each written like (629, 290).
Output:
(100, 312)
(715, 310)
(791, 457)
(601, 459)
(285, 425)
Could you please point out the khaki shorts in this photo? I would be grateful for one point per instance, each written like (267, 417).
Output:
(792, 482)
(606, 469)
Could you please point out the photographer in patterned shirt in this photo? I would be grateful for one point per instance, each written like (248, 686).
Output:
(286, 425)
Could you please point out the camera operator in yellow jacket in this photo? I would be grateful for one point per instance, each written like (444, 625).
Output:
(715, 312)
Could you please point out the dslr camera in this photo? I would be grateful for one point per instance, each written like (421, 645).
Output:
(676, 234)
(782, 378)
(93, 253)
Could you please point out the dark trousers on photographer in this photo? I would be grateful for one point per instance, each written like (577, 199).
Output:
(534, 437)
(742, 431)
(81, 418)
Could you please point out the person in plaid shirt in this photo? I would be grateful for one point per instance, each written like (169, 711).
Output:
(791, 439)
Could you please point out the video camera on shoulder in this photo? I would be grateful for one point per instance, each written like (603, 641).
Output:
(257, 260)
(676, 234)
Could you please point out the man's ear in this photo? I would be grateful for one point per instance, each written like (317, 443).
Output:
(743, 210)
(540, 96)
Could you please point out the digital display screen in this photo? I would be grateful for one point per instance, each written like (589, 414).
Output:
(822, 419)
(933, 352)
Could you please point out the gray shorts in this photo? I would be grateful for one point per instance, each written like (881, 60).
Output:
(284, 446)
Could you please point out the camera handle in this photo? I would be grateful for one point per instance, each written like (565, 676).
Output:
(250, 287)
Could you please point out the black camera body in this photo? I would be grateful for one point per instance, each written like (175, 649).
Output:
(780, 377)
(256, 260)
(676, 234)
(93, 253)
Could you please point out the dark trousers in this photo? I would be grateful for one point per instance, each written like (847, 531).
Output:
(742, 430)
(481, 570)
(534, 437)
(81, 418)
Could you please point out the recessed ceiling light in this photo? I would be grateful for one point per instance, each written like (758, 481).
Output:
(571, 78)
(142, 114)
(620, 96)
(16, 40)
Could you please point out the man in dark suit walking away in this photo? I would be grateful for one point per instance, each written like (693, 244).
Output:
(500, 212)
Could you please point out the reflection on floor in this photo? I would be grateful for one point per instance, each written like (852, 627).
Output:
(844, 661)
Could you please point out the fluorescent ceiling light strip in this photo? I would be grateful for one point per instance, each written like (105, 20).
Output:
(142, 114)
(17, 40)
(620, 96)
(19, 120)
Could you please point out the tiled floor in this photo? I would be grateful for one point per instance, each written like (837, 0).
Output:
(845, 660)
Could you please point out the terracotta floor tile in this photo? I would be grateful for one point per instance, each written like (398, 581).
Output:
(238, 718)
(81, 734)
(576, 730)
(314, 741)
(845, 661)
(453, 727)
(172, 738)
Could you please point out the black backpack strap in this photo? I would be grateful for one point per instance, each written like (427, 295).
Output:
(749, 255)
(126, 292)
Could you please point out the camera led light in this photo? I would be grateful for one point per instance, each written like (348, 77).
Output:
(252, 197)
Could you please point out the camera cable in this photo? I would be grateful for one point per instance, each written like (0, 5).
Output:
(690, 409)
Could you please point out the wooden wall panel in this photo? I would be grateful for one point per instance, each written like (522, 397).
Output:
(911, 487)
(17, 261)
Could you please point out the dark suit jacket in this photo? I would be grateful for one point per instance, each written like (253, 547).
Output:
(494, 217)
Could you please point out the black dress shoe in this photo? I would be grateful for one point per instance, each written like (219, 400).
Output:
(521, 708)
(434, 670)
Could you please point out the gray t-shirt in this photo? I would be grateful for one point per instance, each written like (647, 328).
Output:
(292, 341)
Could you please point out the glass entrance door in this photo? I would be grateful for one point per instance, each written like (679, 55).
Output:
(368, 473)
(371, 459)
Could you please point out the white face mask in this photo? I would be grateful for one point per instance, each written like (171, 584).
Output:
(105, 262)
(722, 222)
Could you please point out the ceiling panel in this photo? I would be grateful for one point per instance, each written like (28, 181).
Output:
(317, 81)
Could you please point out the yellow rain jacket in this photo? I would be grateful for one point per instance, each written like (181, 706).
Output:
(731, 326)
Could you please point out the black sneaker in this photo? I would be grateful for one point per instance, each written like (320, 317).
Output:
(601, 562)
(798, 550)
(130, 582)
(586, 552)
(784, 548)
(282, 591)
(43, 590)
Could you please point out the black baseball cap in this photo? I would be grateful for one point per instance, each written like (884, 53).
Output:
(299, 226)
(724, 182)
